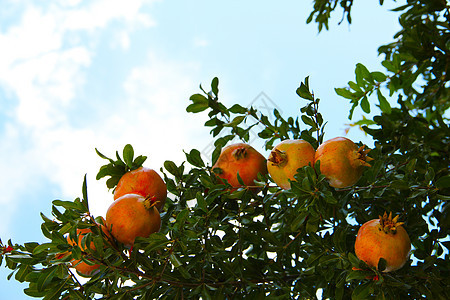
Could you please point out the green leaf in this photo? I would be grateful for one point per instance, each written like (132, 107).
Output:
(353, 259)
(362, 74)
(237, 109)
(43, 247)
(196, 108)
(111, 170)
(23, 271)
(357, 275)
(429, 174)
(384, 104)
(103, 156)
(443, 182)
(68, 204)
(381, 264)
(389, 66)
(139, 161)
(379, 76)
(365, 105)
(354, 86)
(308, 121)
(298, 221)
(55, 292)
(303, 91)
(32, 291)
(85, 201)
(201, 202)
(128, 155)
(175, 261)
(194, 158)
(156, 241)
(171, 167)
(236, 121)
(343, 92)
(45, 278)
(215, 86)
(399, 184)
(200, 103)
(362, 291)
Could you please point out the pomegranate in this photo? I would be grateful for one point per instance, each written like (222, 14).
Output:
(145, 182)
(341, 161)
(131, 216)
(82, 267)
(243, 159)
(286, 158)
(383, 238)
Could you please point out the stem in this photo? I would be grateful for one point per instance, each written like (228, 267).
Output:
(316, 118)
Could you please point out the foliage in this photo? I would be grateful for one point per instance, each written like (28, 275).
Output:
(217, 243)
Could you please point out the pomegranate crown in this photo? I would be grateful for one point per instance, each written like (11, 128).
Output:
(278, 157)
(362, 156)
(389, 224)
(239, 153)
(149, 201)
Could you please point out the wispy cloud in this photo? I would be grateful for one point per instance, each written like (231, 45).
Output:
(46, 56)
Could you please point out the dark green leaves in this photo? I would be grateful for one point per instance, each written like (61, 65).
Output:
(303, 90)
(199, 103)
(311, 115)
(115, 169)
(359, 92)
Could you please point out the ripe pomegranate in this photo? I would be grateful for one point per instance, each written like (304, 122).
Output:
(341, 161)
(82, 267)
(286, 158)
(243, 159)
(145, 182)
(383, 238)
(131, 216)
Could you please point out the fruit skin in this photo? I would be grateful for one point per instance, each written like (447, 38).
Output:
(383, 238)
(243, 159)
(82, 267)
(286, 158)
(85, 269)
(131, 216)
(145, 182)
(341, 161)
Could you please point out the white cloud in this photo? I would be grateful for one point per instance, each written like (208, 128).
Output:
(97, 14)
(46, 82)
(43, 66)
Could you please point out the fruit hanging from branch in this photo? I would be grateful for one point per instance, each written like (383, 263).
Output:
(342, 161)
(145, 182)
(383, 238)
(286, 158)
(81, 266)
(132, 216)
(242, 159)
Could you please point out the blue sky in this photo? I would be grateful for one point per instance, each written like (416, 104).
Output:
(76, 75)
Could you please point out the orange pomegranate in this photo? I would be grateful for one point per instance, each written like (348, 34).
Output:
(286, 158)
(132, 216)
(243, 159)
(383, 238)
(82, 267)
(341, 161)
(145, 182)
